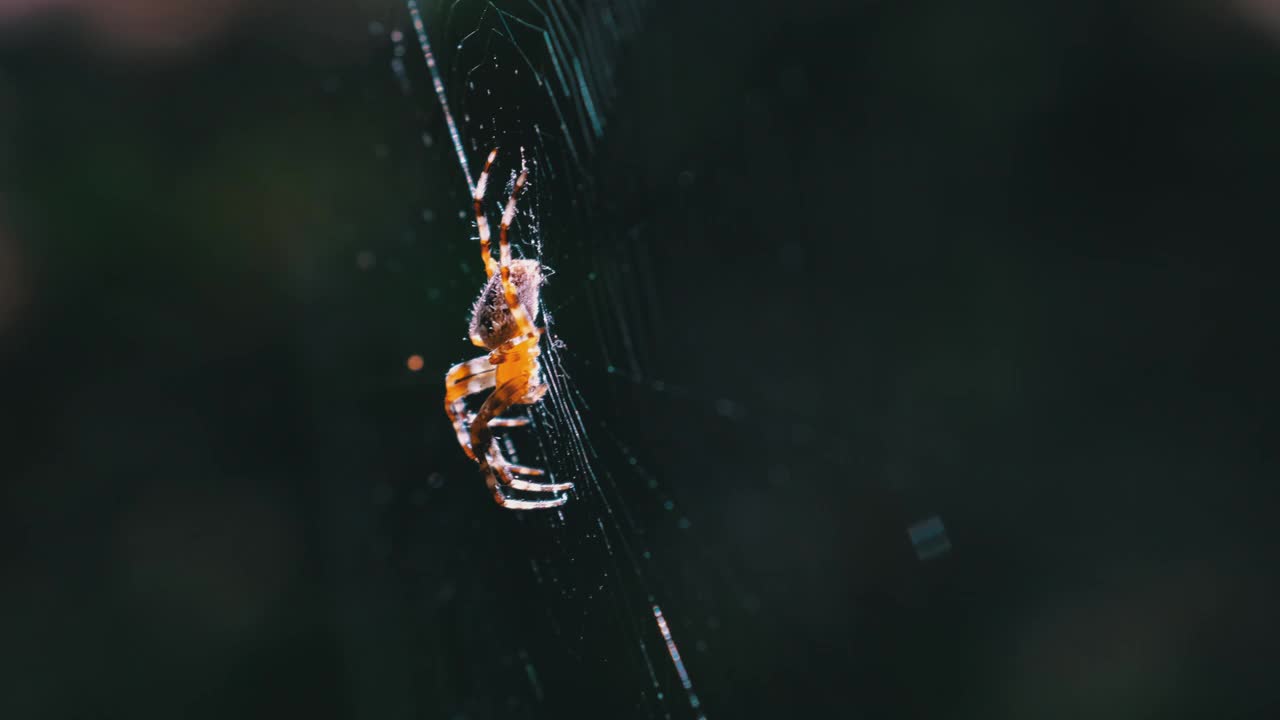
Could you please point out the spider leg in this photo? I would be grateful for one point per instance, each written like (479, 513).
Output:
(468, 378)
(514, 504)
(482, 223)
(509, 422)
(506, 395)
(507, 472)
(498, 470)
(462, 380)
(523, 322)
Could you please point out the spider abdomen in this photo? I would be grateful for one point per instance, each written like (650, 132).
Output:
(491, 320)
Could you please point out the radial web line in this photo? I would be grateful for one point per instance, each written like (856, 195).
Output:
(421, 28)
(644, 649)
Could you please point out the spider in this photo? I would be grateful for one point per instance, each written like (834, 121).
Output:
(502, 322)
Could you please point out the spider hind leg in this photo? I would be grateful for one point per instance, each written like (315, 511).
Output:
(507, 473)
(509, 422)
(513, 504)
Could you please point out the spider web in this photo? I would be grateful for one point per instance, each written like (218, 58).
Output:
(609, 604)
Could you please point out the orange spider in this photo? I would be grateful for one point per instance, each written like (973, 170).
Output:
(501, 322)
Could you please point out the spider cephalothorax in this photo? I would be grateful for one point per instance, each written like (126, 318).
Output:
(502, 321)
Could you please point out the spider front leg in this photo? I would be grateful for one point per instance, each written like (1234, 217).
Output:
(482, 223)
(523, 322)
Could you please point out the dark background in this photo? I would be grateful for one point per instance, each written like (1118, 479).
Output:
(1006, 263)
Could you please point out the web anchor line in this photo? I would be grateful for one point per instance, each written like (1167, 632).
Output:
(674, 652)
(421, 28)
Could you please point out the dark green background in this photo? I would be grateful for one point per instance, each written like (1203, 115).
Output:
(1009, 263)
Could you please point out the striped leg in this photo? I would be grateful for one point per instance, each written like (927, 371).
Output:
(482, 223)
(507, 473)
(497, 467)
(475, 376)
(514, 504)
(462, 380)
(523, 322)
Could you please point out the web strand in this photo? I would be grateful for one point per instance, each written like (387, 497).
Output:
(421, 28)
